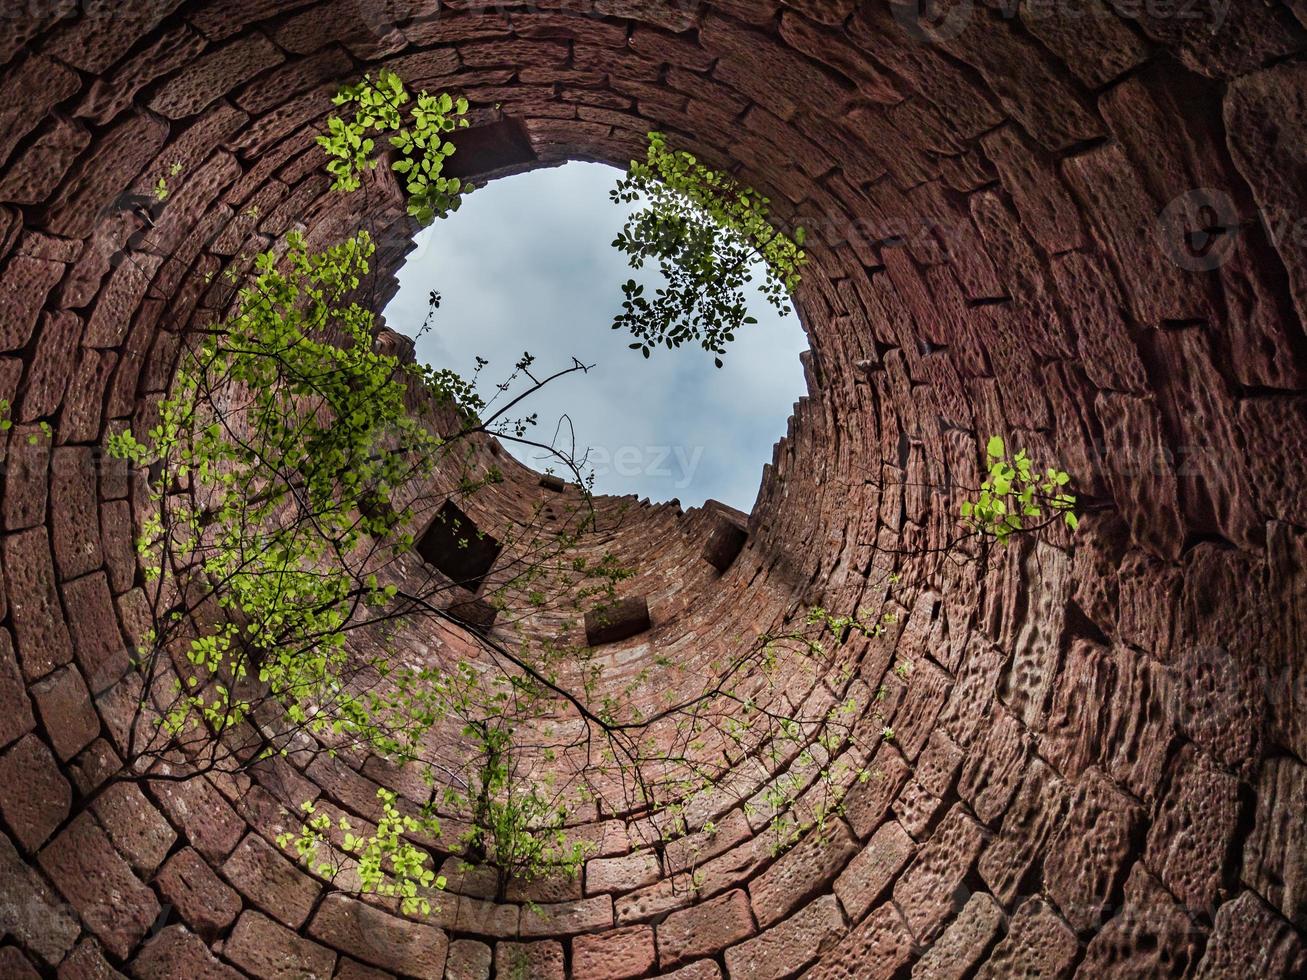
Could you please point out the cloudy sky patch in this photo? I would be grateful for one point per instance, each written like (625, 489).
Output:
(527, 264)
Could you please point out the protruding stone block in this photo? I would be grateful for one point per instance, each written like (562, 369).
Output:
(453, 544)
(552, 481)
(727, 537)
(622, 619)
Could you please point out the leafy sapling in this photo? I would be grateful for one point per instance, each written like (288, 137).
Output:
(1017, 496)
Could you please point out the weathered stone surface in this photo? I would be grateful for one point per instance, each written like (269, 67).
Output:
(136, 828)
(928, 892)
(100, 885)
(468, 960)
(1248, 937)
(34, 796)
(266, 949)
(376, 937)
(704, 930)
(1275, 854)
(176, 952)
(64, 706)
(1193, 830)
(1151, 935)
(200, 897)
(271, 881)
(1089, 855)
(878, 949)
(962, 945)
(40, 633)
(1038, 943)
(522, 960)
(866, 878)
(790, 945)
(614, 955)
(809, 867)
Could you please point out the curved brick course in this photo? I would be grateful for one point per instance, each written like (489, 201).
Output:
(1100, 762)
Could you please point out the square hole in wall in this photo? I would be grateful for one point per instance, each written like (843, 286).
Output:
(453, 544)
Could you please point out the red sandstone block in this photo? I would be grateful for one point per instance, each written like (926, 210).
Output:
(96, 763)
(47, 374)
(270, 881)
(34, 915)
(14, 965)
(64, 705)
(80, 421)
(964, 943)
(270, 951)
(176, 952)
(98, 882)
(199, 896)
(98, 642)
(468, 960)
(704, 930)
(868, 803)
(24, 285)
(926, 892)
(15, 709)
(348, 969)
(1038, 943)
(87, 962)
(208, 821)
(620, 874)
(786, 948)
(529, 961)
(34, 796)
(75, 521)
(806, 869)
(117, 539)
(381, 939)
(869, 874)
(218, 72)
(27, 93)
(26, 470)
(135, 826)
(562, 918)
(615, 955)
(878, 949)
(459, 913)
(36, 173)
(700, 970)
(669, 49)
(115, 160)
(111, 94)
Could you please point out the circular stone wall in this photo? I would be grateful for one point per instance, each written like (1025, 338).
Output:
(1076, 227)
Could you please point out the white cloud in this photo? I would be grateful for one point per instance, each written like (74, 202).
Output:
(527, 265)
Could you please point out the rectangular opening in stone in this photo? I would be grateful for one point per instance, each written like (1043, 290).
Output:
(453, 544)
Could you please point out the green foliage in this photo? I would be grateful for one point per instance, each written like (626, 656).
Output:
(420, 142)
(516, 826)
(386, 862)
(296, 433)
(1017, 496)
(705, 229)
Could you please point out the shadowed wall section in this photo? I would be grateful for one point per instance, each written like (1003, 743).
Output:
(1074, 228)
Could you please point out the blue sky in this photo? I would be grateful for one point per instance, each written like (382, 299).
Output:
(527, 264)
